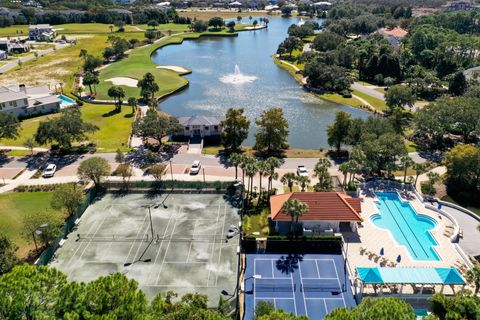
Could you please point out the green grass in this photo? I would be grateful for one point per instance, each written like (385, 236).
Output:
(90, 28)
(139, 62)
(13, 208)
(256, 223)
(114, 128)
(333, 97)
(474, 209)
(61, 65)
(411, 146)
(18, 153)
(21, 30)
(374, 102)
(381, 90)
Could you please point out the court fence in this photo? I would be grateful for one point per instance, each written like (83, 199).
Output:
(169, 184)
(279, 244)
(69, 225)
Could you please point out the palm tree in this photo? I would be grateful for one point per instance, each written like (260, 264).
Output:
(273, 163)
(288, 179)
(419, 168)
(303, 181)
(406, 163)
(473, 276)
(243, 163)
(235, 160)
(324, 178)
(251, 170)
(433, 177)
(132, 102)
(262, 170)
(294, 209)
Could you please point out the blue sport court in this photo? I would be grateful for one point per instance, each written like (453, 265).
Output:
(303, 284)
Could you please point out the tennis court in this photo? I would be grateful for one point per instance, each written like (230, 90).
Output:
(308, 284)
(183, 249)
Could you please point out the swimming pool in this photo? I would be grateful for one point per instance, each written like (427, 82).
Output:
(408, 228)
(65, 101)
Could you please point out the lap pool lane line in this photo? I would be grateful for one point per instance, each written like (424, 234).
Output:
(399, 228)
(408, 226)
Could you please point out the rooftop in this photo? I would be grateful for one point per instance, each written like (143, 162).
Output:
(396, 32)
(410, 276)
(200, 120)
(322, 206)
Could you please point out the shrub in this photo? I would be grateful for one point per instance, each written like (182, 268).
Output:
(428, 188)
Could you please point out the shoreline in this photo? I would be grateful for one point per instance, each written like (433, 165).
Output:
(291, 70)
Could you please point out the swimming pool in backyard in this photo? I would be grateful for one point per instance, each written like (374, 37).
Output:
(407, 227)
(65, 101)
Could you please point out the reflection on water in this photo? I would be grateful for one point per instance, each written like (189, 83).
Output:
(256, 83)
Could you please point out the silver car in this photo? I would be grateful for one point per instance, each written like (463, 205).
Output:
(195, 169)
(50, 171)
(302, 171)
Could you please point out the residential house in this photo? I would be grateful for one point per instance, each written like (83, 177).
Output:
(14, 46)
(200, 126)
(394, 36)
(41, 32)
(28, 101)
(328, 213)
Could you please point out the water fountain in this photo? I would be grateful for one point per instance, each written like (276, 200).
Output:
(237, 77)
(301, 22)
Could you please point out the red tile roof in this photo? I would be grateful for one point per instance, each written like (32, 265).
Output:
(323, 206)
(396, 32)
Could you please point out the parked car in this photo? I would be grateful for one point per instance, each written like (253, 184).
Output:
(195, 169)
(302, 171)
(50, 170)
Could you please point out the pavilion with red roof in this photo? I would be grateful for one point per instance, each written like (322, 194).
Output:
(328, 212)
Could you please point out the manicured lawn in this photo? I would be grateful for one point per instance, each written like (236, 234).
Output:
(115, 128)
(332, 97)
(28, 129)
(139, 62)
(173, 27)
(381, 90)
(20, 30)
(90, 28)
(60, 66)
(474, 209)
(376, 103)
(13, 208)
(206, 15)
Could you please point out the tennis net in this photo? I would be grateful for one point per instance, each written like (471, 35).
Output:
(320, 288)
(262, 287)
(110, 238)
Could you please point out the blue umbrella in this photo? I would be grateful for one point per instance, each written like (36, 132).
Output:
(399, 258)
(382, 252)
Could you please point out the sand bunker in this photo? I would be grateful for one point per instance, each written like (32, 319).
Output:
(174, 68)
(123, 81)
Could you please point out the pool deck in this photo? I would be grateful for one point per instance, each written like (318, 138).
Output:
(364, 247)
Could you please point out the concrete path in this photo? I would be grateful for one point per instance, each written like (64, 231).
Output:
(441, 170)
(23, 148)
(468, 224)
(369, 90)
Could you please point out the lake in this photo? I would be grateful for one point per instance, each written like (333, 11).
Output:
(239, 72)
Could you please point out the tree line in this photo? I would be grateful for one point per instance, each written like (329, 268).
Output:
(105, 15)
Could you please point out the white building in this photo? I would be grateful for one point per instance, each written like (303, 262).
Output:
(24, 102)
(41, 32)
(200, 126)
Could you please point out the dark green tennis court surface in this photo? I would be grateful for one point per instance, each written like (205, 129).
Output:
(183, 248)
